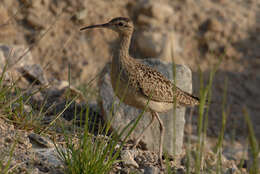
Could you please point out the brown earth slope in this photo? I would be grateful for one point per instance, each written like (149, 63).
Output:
(207, 29)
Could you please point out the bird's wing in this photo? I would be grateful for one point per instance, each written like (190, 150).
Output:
(158, 88)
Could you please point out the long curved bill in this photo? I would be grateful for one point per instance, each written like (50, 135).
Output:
(95, 26)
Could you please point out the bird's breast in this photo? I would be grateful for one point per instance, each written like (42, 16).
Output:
(125, 86)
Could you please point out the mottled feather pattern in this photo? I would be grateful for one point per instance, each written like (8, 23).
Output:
(136, 84)
(157, 87)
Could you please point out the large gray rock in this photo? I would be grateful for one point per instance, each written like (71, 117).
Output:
(162, 45)
(127, 157)
(15, 55)
(158, 10)
(151, 170)
(48, 156)
(152, 44)
(123, 114)
(20, 64)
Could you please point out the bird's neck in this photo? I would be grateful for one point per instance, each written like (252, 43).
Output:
(123, 46)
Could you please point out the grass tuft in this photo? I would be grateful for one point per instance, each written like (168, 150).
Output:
(253, 145)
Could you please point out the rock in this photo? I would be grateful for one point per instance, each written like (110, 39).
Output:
(151, 44)
(153, 15)
(34, 74)
(211, 24)
(2, 59)
(34, 20)
(231, 171)
(123, 114)
(48, 155)
(78, 110)
(15, 55)
(234, 151)
(35, 171)
(20, 66)
(27, 109)
(80, 15)
(165, 46)
(7, 30)
(157, 10)
(62, 89)
(173, 49)
(130, 170)
(230, 51)
(143, 21)
(128, 158)
(151, 170)
(40, 140)
(181, 171)
(23, 139)
(37, 15)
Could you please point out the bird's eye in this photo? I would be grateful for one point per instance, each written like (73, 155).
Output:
(120, 24)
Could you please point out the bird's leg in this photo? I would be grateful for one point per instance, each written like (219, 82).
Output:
(161, 137)
(147, 127)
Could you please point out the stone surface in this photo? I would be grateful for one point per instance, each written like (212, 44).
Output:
(128, 158)
(123, 114)
(235, 151)
(15, 55)
(81, 15)
(34, 18)
(20, 66)
(151, 44)
(164, 45)
(40, 140)
(239, 35)
(157, 10)
(143, 21)
(2, 59)
(48, 155)
(7, 30)
(231, 171)
(34, 73)
(27, 109)
(151, 170)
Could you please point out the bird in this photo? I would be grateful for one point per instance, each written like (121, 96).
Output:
(139, 85)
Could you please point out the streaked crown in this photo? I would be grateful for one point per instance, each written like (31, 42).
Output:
(121, 25)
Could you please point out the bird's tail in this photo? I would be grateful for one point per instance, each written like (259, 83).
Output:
(196, 100)
(186, 99)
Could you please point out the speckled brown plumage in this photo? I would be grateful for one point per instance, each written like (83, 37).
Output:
(137, 84)
(154, 84)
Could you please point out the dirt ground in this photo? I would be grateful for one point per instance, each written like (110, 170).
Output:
(209, 30)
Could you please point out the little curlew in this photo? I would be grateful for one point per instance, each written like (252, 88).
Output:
(139, 85)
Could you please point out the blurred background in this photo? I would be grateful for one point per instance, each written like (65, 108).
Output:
(198, 32)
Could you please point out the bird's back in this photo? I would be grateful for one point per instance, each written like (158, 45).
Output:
(158, 88)
(148, 83)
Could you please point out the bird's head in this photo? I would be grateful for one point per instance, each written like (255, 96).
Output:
(121, 25)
